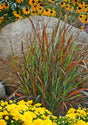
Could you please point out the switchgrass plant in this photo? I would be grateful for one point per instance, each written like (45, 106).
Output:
(51, 67)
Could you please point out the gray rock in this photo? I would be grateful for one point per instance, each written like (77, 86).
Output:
(22, 30)
(2, 91)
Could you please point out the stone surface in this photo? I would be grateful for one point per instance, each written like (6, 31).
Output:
(22, 30)
(2, 91)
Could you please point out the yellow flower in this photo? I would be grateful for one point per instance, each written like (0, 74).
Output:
(52, 13)
(38, 122)
(81, 122)
(19, 1)
(32, 2)
(39, 10)
(84, 21)
(29, 102)
(75, 2)
(51, 1)
(62, 4)
(18, 18)
(33, 12)
(10, 101)
(46, 12)
(26, 11)
(81, 4)
(67, 7)
(3, 104)
(79, 9)
(0, 108)
(2, 122)
(6, 5)
(34, 7)
(6, 117)
(1, 7)
(81, 17)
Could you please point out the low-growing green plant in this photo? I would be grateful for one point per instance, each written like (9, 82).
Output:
(51, 67)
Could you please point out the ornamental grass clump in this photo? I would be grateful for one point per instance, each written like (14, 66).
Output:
(25, 113)
(51, 67)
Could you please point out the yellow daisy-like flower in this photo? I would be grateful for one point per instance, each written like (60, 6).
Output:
(81, 17)
(67, 7)
(6, 6)
(52, 13)
(51, 1)
(75, 2)
(39, 10)
(62, 4)
(32, 2)
(79, 9)
(82, 4)
(85, 8)
(84, 21)
(71, 8)
(34, 12)
(16, 13)
(26, 11)
(46, 12)
(19, 1)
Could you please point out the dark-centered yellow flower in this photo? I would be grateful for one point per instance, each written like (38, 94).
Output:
(46, 12)
(75, 2)
(52, 13)
(26, 11)
(67, 7)
(62, 4)
(19, 1)
(39, 10)
(82, 4)
(6, 6)
(16, 13)
(79, 9)
(32, 2)
(84, 21)
(81, 17)
(34, 12)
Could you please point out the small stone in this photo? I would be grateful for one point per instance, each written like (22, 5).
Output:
(2, 90)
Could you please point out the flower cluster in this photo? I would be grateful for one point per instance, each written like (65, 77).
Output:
(74, 117)
(15, 10)
(24, 113)
(76, 6)
(78, 117)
